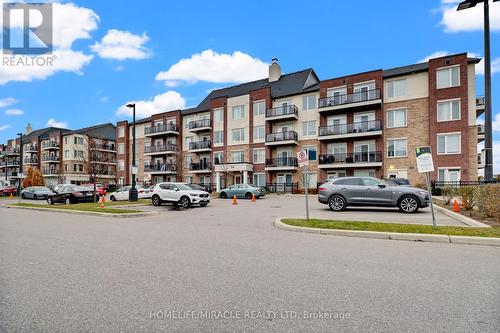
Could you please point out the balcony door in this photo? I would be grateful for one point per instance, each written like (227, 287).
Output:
(283, 157)
(336, 95)
(361, 121)
(364, 151)
(336, 124)
(364, 92)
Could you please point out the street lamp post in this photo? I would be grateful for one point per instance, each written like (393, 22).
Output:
(132, 194)
(488, 128)
(20, 174)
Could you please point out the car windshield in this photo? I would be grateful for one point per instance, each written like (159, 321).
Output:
(184, 187)
(40, 188)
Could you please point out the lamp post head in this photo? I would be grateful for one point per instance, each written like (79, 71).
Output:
(470, 3)
(131, 105)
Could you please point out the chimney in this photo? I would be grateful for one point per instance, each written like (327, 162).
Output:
(274, 70)
(29, 129)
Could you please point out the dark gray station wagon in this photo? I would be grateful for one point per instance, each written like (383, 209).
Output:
(367, 191)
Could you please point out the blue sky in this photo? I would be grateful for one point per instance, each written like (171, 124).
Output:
(97, 76)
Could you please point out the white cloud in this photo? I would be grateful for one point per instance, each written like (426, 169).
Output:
(14, 112)
(7, 102)
(70, 23)
(496, 157)
(495, 63)
(4, 127)
(436, 54)
(215, 67)
(496, 123)
(469, 19)
(54, 123)
(122, 45)
(119, 68)
(171, 100)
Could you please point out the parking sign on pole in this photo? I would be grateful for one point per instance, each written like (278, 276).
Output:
(303, 161)
(425, 165)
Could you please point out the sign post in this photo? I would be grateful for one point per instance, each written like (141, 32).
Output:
(303, 160)
(425, 165)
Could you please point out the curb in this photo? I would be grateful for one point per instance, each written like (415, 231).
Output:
(81, 212)
(468, 240)
(459, 217)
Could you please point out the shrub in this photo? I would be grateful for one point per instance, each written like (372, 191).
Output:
(469, 196)
(447, 193)
(489, 200)
(33, 178)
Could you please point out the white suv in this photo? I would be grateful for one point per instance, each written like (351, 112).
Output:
(179, 194)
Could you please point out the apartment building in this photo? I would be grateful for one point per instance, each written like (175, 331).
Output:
(62, 155)
(365, 124)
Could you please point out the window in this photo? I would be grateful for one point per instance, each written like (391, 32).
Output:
(364, 173)
(259, 108)
(311, 152)
(259, 179)
(259, 155)
(309, 102)
(449, 175)
(396, 88)
(448, 143)
(237, 156)
(66, 154)
(238, 112)
(78, 141)
(121, 132)
(66, 140)
(219, 157)
(396, 118)
(121, 148)
(238, 134)
(448, 110)
(188, 140)
(397, 148)
(448, 77)
(258, 132)
(309, 128)
(352, 181)
(218, 115)
(218, 137)
(121, 165)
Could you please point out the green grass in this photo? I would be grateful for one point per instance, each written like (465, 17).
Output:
(86, 207)
(393, 227)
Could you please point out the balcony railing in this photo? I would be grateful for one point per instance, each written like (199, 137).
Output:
(361, 96)
(281, 136)
(285, 110)
(160, 148)
(12, 162)
(281, 162)
(50, 158)
(49, 171)
(30, 161)
(200, 145)
(169, 127)
(159, 167)
(31, 148)
(52, 144)
(360, 127)
(199, 123)
(12, 151)
(200, 166)
(104, 146)
(368, 157)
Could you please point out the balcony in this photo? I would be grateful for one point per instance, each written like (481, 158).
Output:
(200, 125)
(102, 160)
(480, 132)
(285, 112)
(50, 159)
(351, 160)
(164, 129)
(200, 146)
(11, 163)
(50, 145)
(362, 98)
(281, 163)
(30, 161)
(49, 171)
(169, 148)
(104, 147)
(281, 138)
(233, 167)
(12, 151)
(159, 168)
(200, 167)
(31, 149)
(365, 128)
(479, 105)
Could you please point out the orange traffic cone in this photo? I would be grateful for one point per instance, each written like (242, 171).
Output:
(253, 197)
(456, 208)
(103, 200)
(11, 196)
(235, 202)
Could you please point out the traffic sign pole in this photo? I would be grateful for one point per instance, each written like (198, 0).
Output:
(303, 160)
(425, 165)
(305, 192)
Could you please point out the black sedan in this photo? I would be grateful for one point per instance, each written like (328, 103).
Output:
(70, 194)
(36, 192)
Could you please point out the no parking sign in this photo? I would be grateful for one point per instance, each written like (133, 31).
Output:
(303, 159)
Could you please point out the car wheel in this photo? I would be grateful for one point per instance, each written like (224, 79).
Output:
(67, 201)
(184, 202)
(112, 198)
(223, 195)
(49, 201)
(336, 203)
(156, 200)
(248, 195)
(408, 204)
(23, 196)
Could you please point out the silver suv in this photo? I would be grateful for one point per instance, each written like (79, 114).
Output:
(367, 191)
(179, 194)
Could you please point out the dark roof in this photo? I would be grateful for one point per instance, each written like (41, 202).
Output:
(288, 84)
(417, 68)
(42, 133)
(103, 131)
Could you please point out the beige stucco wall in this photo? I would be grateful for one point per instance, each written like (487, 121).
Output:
(472, 94)
(238, 123)
(417, 86)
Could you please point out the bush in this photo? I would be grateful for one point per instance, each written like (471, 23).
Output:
(33, 178)
(447, 193)
(488, 199)
(469, 196)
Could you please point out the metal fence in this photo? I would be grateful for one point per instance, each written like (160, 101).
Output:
(282, 188)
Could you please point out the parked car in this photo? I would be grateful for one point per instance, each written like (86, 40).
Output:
(179, 194)
(367, 191)
(242, 191)
(122, 193)
(101, 190)
(70, 194)
(7, 190)
(36, 192)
